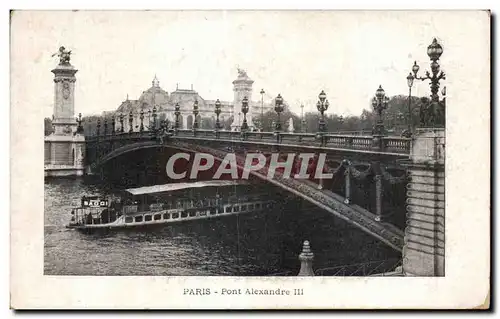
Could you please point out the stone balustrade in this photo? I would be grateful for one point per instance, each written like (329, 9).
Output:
(357, 142)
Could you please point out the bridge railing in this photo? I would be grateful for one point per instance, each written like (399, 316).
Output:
(360, 142)
(370, 268)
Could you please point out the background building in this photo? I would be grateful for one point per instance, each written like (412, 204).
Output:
(230, 117)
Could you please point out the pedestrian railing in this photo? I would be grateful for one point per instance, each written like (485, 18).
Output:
(390, 143)
(370, 268)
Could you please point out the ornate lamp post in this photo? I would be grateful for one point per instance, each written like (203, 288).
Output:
(217, 113)
(409, 79)
(433, 114)
(341, 122)
(113, 125)
(278, 107)
(303, 121)
(262, 110)
(322, 106)
(98, 126)
(149, 119)
(177, 113)
(105, 126)
(142, 120)
(130, 121)
(122, 129)
(154, 117)
(244, 109)
(379, 104)
(195, 113)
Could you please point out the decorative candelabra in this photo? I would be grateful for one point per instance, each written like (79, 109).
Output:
(409, 80)
(278, 107)
(322, 105)
(262, 92)
(341, 122)
(195, 113)
(105, 126)
(217, 113)
(303, 128)
(98, 126)
(130, 121)
(113, 125)
(122, 129)
(379, 104)
(177, 113)
(141, 116)
(244, 110)
(433, 114)
(154, 117)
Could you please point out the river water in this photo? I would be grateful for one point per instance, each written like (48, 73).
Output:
(253, 244)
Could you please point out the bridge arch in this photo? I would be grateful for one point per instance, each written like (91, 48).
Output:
(331, 202)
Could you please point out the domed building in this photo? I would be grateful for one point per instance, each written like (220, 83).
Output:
(156, 97)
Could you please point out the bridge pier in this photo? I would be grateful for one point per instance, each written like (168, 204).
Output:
(424, 249)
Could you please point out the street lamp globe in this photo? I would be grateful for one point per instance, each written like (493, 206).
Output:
(434, 50)
(278, 104)
(410, 78)
(217, 104)
(380, 93)
(244, 105)
(322, 96)
(415, 68)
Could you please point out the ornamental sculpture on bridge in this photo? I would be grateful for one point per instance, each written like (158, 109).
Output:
(242, 73)
(64, 56)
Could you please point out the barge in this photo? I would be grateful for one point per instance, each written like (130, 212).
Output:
(163, 205)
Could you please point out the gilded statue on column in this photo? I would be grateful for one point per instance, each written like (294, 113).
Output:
(64, 56)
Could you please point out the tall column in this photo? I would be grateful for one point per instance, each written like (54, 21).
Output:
(66, 142)
(424, 250)
(64, 99)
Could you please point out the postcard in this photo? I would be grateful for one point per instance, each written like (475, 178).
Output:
(233, 159)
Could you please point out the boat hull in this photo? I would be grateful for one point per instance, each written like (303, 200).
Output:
(159, 219)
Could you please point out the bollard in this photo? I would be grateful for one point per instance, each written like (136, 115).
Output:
(306, 257)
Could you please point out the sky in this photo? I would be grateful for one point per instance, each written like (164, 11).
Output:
(295, 53)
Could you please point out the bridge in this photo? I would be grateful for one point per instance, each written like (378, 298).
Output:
(381, 184)
(351, 158)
